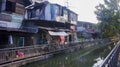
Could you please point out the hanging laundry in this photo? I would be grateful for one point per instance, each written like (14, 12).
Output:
(10, 40)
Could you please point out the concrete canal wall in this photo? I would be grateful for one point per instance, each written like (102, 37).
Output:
(73, 47)
(26, 60)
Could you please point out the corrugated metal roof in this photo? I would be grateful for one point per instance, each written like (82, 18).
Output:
(14, 30)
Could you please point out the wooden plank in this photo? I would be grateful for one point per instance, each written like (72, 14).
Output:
(12, 0)
(5, 17)
(19, 9)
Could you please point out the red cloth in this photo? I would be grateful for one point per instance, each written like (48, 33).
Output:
(20, 54)
(62, 39)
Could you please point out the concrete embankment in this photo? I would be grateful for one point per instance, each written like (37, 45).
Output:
(72, 48)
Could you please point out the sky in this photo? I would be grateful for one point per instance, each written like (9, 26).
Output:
(84, 8)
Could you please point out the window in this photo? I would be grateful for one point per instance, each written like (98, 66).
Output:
(21, 42)
(2, 5)
(10, 6)
(3, 41)
(65, 14)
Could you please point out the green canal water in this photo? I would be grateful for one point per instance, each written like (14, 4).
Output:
(87, 57)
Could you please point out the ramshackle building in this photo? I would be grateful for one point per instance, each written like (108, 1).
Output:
(30, 29)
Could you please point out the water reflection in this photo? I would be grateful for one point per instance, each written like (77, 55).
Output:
(99, 60)
(88, 57)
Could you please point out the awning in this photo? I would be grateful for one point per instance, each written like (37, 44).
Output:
(57, 33)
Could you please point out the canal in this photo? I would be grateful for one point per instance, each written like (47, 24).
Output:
(87, 57)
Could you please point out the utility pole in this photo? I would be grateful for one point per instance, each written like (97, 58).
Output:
(67, 3)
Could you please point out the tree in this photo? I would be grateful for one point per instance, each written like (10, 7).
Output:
(108, 15)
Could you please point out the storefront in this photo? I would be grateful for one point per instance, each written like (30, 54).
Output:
(60, 36)
(49, 36)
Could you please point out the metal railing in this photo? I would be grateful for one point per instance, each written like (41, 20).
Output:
(10, 54)
(112, 58)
